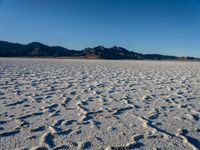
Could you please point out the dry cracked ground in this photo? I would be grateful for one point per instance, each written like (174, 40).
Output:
(99, 104)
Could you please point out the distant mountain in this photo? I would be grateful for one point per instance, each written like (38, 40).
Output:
(33, 49)
(111, 53)
(36, 49)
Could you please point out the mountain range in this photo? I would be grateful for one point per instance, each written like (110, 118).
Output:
(36, 49)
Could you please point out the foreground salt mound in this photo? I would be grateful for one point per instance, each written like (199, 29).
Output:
(96, 104)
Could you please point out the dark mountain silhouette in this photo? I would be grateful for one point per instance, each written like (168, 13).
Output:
(36, 49)
(111, 53)
(33, 49)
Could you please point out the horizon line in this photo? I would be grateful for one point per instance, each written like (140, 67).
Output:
(134, 50)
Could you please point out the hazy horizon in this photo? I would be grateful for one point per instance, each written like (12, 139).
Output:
(150, 27)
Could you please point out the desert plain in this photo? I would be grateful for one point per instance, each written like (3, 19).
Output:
(99, 104)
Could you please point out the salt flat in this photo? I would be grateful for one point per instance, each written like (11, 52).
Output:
(99, 104)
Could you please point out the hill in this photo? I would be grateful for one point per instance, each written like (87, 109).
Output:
(36, 49)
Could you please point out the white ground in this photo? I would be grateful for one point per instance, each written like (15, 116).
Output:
(98, 104)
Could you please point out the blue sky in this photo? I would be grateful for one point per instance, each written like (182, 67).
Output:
(146, 26)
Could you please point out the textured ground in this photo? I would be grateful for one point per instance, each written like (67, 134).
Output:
(97, 104)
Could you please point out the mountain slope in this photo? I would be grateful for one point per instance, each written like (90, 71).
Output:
(36, 49)
(111, 53)
(33, 49)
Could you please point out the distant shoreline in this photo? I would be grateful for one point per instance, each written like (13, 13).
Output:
(83, 58)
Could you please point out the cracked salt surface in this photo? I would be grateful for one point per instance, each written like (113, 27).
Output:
(98, 104)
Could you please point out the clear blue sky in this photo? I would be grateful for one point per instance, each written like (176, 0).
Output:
(147, 26)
